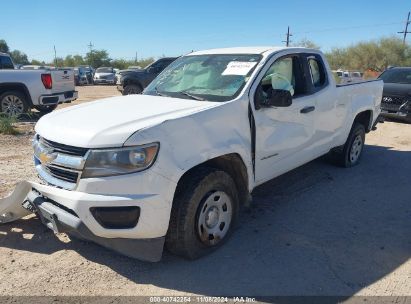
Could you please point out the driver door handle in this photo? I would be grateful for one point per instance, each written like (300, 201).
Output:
(307, 110)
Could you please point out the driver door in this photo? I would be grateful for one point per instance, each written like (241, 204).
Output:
(283, 134)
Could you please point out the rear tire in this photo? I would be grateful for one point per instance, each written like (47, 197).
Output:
(204, 212)
(13, 103)
(351, 152)
(132, 89)
(45, 109)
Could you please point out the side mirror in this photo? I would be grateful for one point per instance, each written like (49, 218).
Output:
(278, 98)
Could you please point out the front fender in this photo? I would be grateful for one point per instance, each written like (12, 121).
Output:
(188, 141)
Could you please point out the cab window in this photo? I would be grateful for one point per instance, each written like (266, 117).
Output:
(317, 72)
(6, 63)
(284, 74)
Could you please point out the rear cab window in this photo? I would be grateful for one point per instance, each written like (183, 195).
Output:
(6, 63)
(317, 70)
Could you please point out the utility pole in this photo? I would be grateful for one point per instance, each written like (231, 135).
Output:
(287, 41)
(90, 46)
(405, 31)
(136, 59)
(55, 56)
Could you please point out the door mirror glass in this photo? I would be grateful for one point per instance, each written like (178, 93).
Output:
(277, 98)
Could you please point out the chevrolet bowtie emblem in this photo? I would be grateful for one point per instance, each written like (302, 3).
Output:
(47, 158)
(44, 155)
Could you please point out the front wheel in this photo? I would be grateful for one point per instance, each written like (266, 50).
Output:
(353, 147)
(204, 212)
(132, 89)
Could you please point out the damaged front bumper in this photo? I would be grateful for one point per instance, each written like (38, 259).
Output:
(93, 217)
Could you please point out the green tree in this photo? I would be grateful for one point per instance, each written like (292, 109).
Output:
(121, 64)
(58, 62)
(306, 43)
(69, 61)
(144, 62)
(19, 57)
(78, 60)
(98, 58)
(37, 62)
(374, 55)
(4, 48)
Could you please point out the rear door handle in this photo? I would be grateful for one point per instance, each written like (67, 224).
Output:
(307, 110)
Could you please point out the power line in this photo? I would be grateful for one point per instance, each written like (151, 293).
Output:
(347, 28)
(288, 35)
(405, 31)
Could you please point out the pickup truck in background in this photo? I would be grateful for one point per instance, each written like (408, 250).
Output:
(42, 89)
(396, 100)
(133, 81)
(175, 164)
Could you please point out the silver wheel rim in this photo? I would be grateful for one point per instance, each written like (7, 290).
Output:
(356, 149)
(12, 105)
(215, 218)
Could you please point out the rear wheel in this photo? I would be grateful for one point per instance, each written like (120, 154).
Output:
(45, 109)
(353, 147)
(132, 89)
(205, 210)
(13, 103)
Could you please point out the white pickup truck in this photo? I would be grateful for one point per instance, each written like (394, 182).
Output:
(174, 165)
(42, 89)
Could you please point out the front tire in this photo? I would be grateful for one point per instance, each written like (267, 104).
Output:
(352, 151)
(132, 89)
(204, 212)
(13, 103)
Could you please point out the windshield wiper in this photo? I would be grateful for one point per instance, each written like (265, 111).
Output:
(160, 93)
(192, 96)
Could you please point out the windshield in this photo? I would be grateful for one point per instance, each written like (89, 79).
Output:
(397, 76)
(205, 77)
(104, 70)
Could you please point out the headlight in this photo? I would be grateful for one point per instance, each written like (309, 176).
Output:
(108, 162)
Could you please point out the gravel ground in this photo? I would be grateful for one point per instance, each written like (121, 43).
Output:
(318, 230)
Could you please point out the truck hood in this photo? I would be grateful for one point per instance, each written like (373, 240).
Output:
(397, 89)
(109, 122)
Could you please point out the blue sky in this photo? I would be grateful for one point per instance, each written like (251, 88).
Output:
(156, 28)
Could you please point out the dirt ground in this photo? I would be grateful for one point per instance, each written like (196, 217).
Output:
(318, 230)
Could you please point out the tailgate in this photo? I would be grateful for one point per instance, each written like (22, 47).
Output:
(63, 80)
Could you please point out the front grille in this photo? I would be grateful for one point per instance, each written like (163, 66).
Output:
(62, 173)
(393, 100)
(58, 164)
(394, 104)
(76, 151)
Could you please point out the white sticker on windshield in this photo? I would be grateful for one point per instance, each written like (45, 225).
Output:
(238, 68)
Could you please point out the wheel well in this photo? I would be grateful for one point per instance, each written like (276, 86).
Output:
(364, 118)
(5, 87)
(132, 81)
(231, 164)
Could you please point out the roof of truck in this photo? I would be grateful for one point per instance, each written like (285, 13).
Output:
(243, 50)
